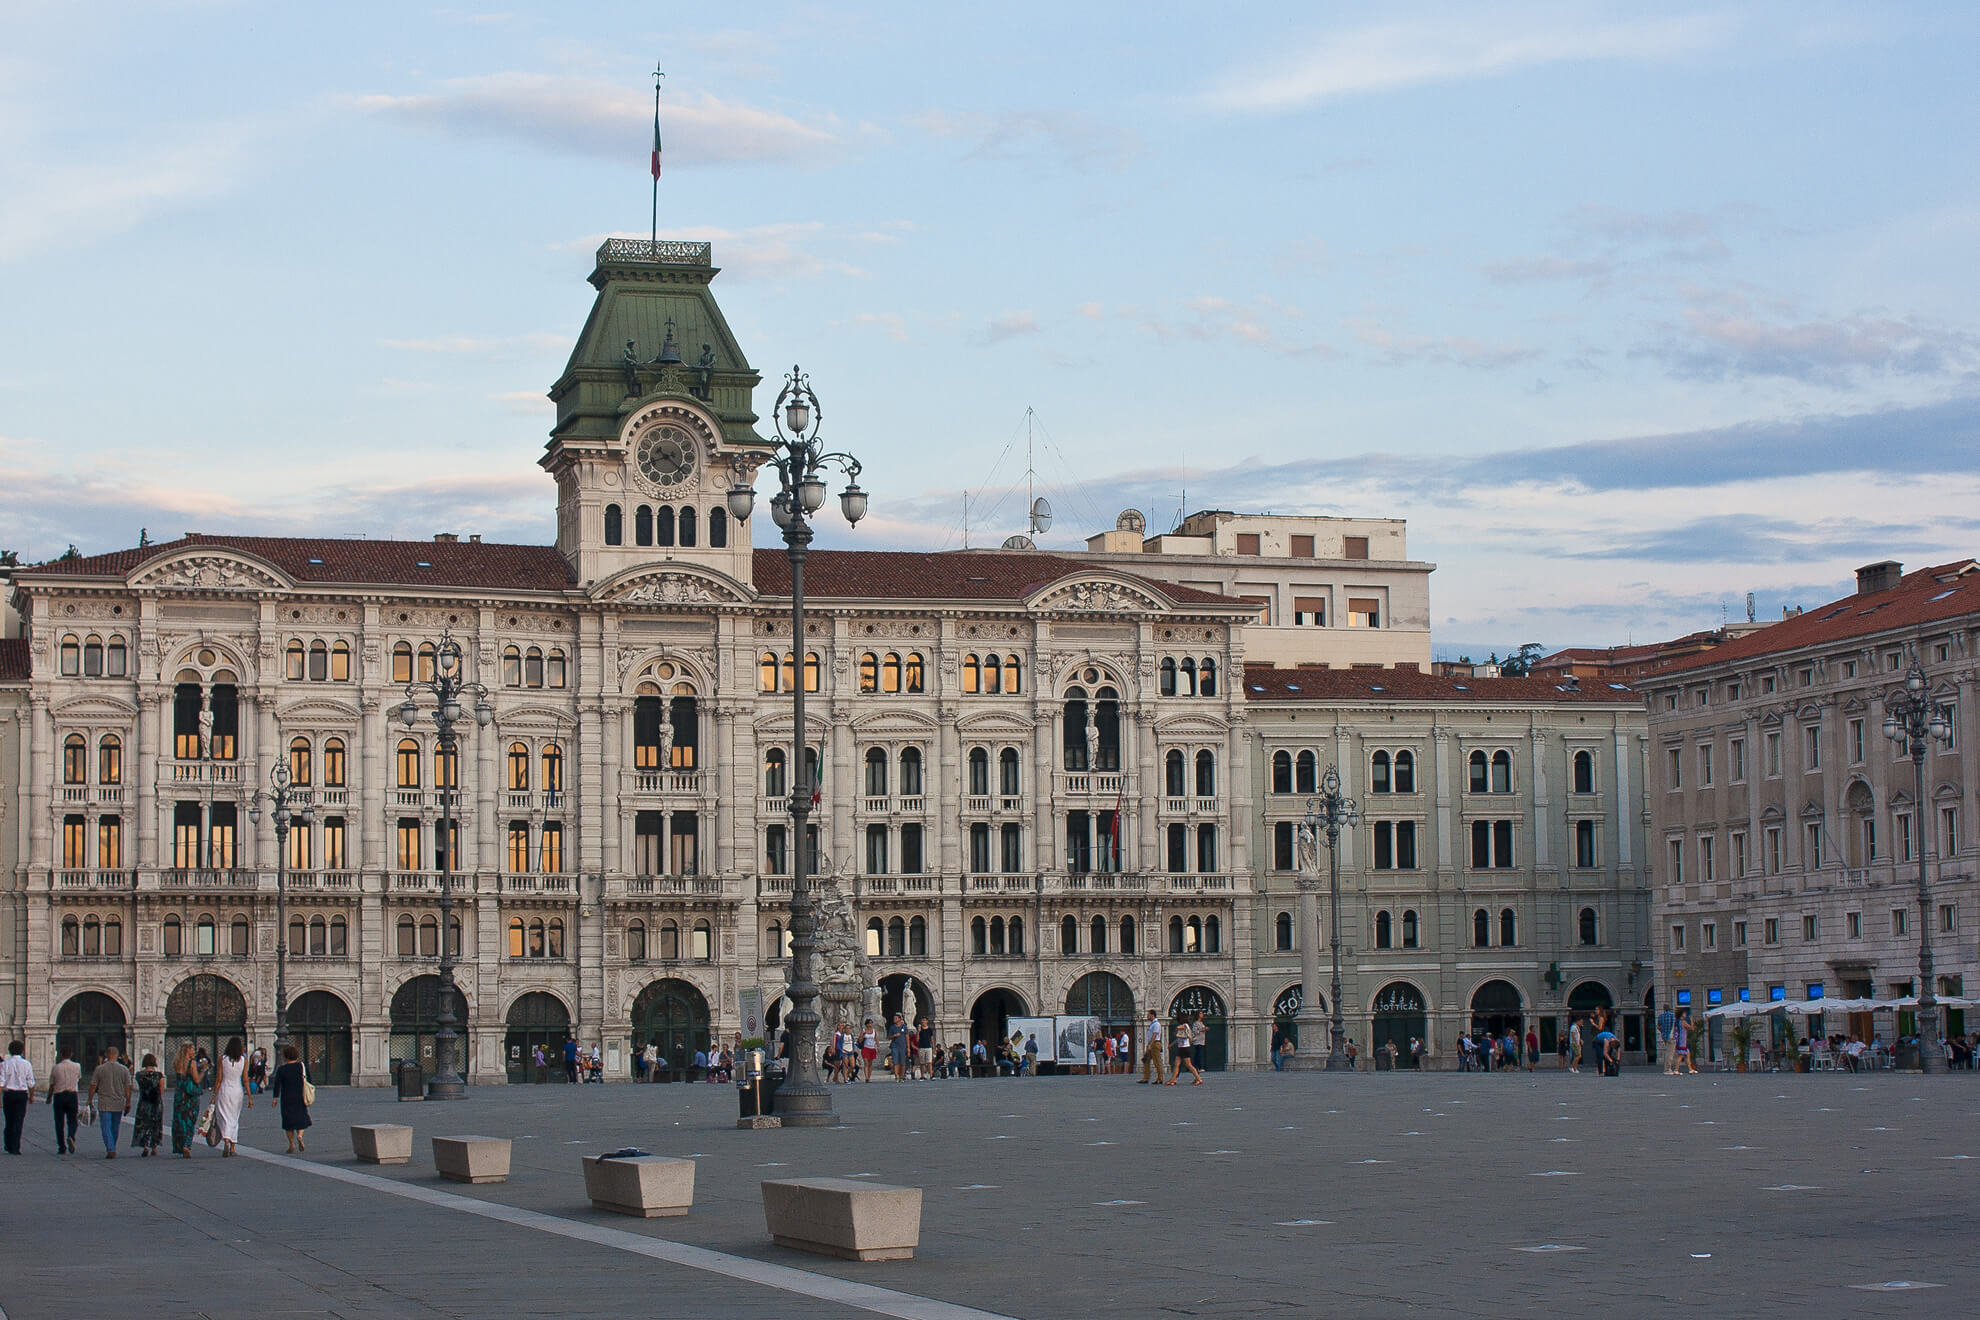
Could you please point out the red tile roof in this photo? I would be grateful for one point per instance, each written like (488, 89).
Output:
(1924, 596)
(484, 565)
(14, 663)
(1313, 683)
(952, 575)
(474, 564)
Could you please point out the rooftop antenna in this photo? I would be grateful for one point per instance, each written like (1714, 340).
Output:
(654, 233)
(1039, 515)
(965, 519)
(1750, 603)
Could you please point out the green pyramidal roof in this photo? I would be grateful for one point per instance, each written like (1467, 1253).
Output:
(644, 287)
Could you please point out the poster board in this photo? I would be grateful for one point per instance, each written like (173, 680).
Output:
(749, 1011)
(1075, 1036)
(1025, 1028)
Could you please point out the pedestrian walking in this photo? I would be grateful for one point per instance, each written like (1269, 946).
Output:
(571, 1060)
(1031, 1055)
(63, 1098)
(897, 1047)
(869, 1049)
(290, 1089)
(16, 1092)
(1666, 1029)
(186, 1092)
(1681, 1039)
(257, 1073)
(1574, 1045)
(1151, 1051)
(230, 1094)
(1183, 1053)
(149, 1124)
(924, 1049)
(110, 1089)
(1533, 1049)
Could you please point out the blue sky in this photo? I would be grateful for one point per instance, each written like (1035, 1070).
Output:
(1629, 310)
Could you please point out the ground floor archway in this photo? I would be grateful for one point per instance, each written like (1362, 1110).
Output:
(1496, 1009)
(1286, 1013)
(416, 1024)
(320, 1029)
(88, 1024)
(990, 1016)
(1399, 1017)
(1106, 996)
(673, 1016)
(537, 1020)
(894, 999)
(206, 1010)
(1216, 1050)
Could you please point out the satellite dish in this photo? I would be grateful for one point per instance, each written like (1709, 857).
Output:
(1019, 543)
(1041, 516)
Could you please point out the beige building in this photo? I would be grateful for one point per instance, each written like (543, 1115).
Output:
(1495, 877)
(1788, 828)
(1331, 591)
(1047, 783)
(992, 731)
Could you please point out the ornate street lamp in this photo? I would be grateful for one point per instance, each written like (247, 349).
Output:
(1914, 721)
(1329, 813)
(279, 796)
(804, 1100)
(446, 687)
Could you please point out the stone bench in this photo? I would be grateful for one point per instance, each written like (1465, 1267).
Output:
(850, 1218)
(472, 1159)
(646, 1186)
(381, 1143)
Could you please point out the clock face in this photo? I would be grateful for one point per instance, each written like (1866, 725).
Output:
(666, 456)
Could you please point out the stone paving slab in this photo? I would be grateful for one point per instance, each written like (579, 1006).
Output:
(1254, 1195)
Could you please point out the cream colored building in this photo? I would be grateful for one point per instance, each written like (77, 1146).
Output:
(1495, 876)
(1788, 828)
(994, 741)
(1046, 782)
(1332, 591)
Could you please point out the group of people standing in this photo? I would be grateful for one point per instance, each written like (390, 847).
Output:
(1185, 1050)
(1490, 1051)
(114, 1091)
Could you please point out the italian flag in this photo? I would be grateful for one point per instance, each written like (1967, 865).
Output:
(818, 782)
(656, 137)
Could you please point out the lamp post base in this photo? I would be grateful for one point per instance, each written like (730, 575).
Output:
(447, 1088)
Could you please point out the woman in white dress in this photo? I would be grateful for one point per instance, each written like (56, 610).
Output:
(231, 1094)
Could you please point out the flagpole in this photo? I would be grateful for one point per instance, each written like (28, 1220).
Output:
(654, 233)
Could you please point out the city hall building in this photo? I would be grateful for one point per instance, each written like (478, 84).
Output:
(1046, 782)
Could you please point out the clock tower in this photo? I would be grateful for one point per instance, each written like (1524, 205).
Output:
(654, 416)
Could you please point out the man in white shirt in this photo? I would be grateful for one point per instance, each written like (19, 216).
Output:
(1151, 1050)
(16, 1092)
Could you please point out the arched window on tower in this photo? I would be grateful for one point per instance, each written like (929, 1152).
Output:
(643, 526)
(615, 525)
(718, 528)
(1206, 677)
(663, 525)
(688, 531)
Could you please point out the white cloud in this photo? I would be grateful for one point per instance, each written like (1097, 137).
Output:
(892, 323)
(1390, 56)
(53, 204)
(1451, 350)
(1011, 325)
(1075, 137)
(603, 119)
(526, 403)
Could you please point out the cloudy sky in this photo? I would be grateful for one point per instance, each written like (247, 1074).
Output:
(1628, 310)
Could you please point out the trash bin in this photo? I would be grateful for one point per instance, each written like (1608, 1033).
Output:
(1907, 1056)
(412, 1082)
(766, 1090)
(1381, 1061)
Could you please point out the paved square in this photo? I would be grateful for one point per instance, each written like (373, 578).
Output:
(1254, 1195)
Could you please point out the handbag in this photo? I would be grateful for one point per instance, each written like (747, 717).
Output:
(308, 1089)
(209, 1126)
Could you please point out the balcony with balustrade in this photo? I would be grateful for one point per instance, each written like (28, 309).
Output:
(649, 787)
(98, 881)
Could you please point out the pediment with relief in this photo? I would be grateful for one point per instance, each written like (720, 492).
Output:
(208, 570)
(895, 724)
(317, 712)
(94, 710)
(992, 723)
(675, 587)
(1097, 596)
